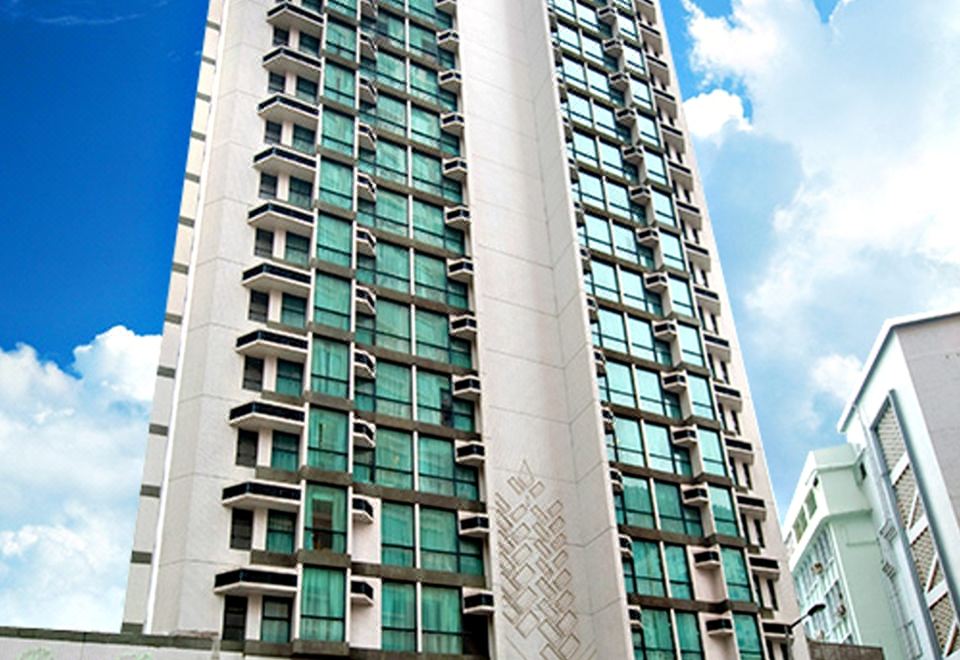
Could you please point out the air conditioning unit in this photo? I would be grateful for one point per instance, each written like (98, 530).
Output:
(816, 568)
(368, 90)
(463, 327)
(640, 194)
(633, 154)
(573, 168)
(593, 308)
(466, 387)
(368, 47)
(474, 524)
(447, 6)
(606, 414)
(619, 80)
(448, 40)
(658, 282)
(470, 452)
(616, 480)
(567, 128)
(364, 364)
(478, 601)
(365, 241)
(455, 168)
(635, 616)
(626, 545)
(607, 15)
(457, 217)
(369, 8)
(626, 116)
(665, 330)
(648, 237)
(366, 187)
(450, 80)
(579, 213)
(364, 434)
(361, 592)
(674, 381)
(601, 361)
(362, 508)
(452, 122)
(684, 436)
(696, 495)
(460, 270)
(366, 137)
(614, 46)
(585, 263)
(366, 300)
(841, 610)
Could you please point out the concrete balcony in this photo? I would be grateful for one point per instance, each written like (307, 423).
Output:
(287, 60)
(280, 216)
(278, 278)
(284, 160)
(281, 108)
(259, 495)
(266, 343)
(288, 15)
(258, 415)
(249, 582)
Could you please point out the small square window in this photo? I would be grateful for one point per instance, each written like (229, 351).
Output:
(277, 83)
(252, 374)
(272, 132)
(247, 442)
(259, 306)
(241, 529)
(263, 245)
(280, 37)
(268, 186)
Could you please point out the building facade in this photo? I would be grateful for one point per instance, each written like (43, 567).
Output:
(448, 366)
(835, 555)
(905, 420)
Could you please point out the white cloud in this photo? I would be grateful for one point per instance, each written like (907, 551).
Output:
(836, 375)
(869, 103)
(73, 443)
(712, 114)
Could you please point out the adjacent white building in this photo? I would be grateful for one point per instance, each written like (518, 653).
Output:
(835, 556)
(449, 367)
(904, 420)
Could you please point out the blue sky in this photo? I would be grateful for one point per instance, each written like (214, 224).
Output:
(827, 162)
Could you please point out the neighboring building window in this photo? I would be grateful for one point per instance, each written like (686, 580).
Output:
(690, 348)
(296, 249)
(701, 400)
(252, 373)
(301, 193)
(390, 268)
(748, 637)
(272, 132)
(441, 620)
(281, 531)
(610, 331)
(259, 306)
(431, 282)
(644, 346)
(675, 516)
(309, 44)
(688, 633)
(664, 455)
(390, 393)
(289, 378)
(396, 534)
(711, 452)
(625, 444)
(263, 243)
(241, 529)
(735, 574)
(678, 572)
(325, 525)
(390, 464)
(436, 405)
(327, 440)
(680, 297)
(341, 39)
(429, 227)
(307, 90)
(390, 328)
(671, 248)
(435, 343)
(443, 549)
(247, 442)
(616, 386)
(334, 240)
(285, 451)
(338, 83)
(275, 623)
(389, 212)
(330, 367)
(293, 310)
(655, 641)
(440, 474)
(331, 301)
(268, 186)
(724, 518)
(634, 505)
(304, 139)
(234, 618)
(653, 398)
(337, 132)
(399, 617)
(322, 604)
(280, 37)
(277, 83)
(644, 573)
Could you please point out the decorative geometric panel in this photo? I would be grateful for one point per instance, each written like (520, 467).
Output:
(891, 439)
(538, 600)
(923, 555)
(918, 512)
(944, 619)
(906, 490)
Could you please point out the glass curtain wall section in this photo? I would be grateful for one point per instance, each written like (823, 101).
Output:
(634, 221)
(362, 277)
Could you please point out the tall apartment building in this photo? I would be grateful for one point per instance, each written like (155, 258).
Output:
(448, 365)
(905, 421)
(835, 555)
